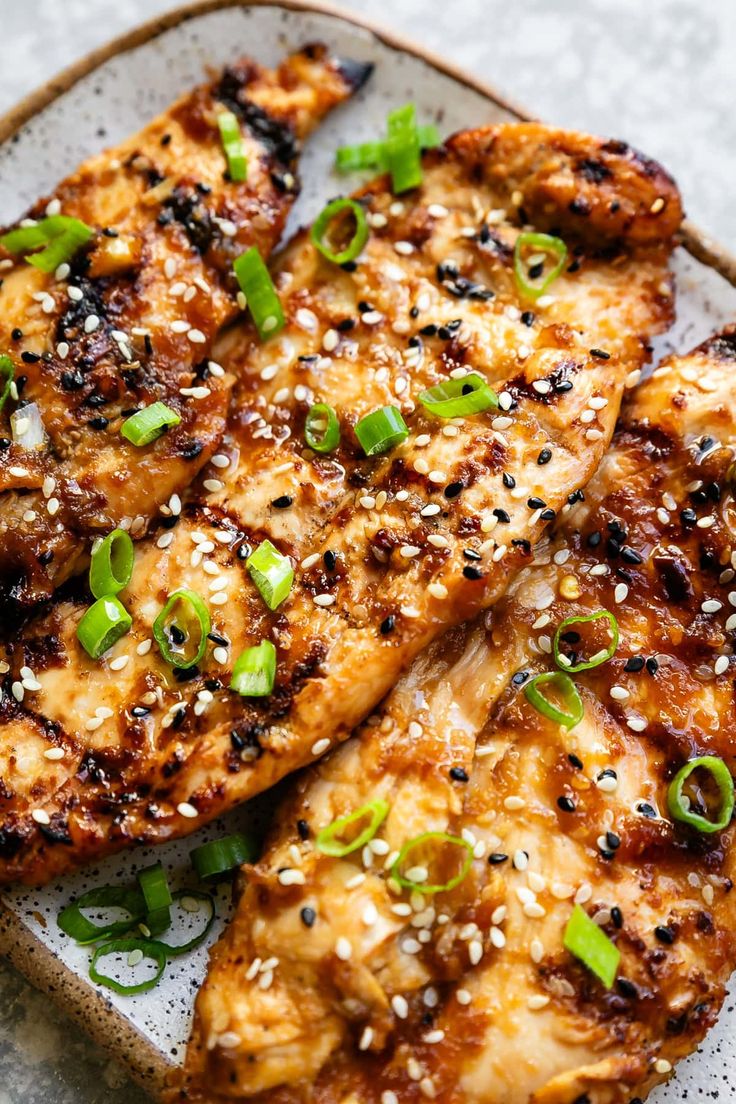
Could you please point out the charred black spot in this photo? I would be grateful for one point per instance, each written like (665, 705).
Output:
(674, 577)
(593, 171)
(275, 135)
(57, 831)
(186, 208)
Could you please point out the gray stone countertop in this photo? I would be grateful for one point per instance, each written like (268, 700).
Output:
(659, 73)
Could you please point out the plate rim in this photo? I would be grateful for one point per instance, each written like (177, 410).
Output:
(148, 1066)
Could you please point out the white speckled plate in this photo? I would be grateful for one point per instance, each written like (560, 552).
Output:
(98, 102)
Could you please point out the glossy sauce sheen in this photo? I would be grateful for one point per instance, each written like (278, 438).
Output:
(390, 551)
(132, 319)
(468, 997)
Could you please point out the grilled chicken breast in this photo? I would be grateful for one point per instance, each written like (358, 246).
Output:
(131, 320)
(389, 550)
(335, 983)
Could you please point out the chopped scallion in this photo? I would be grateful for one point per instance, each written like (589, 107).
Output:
(102, 625)
(260, 294)
(380, 430)
(331, 840)
(232, 143)
(411, 868)
(181, 629)
(322, 429)
(589, 943)
(254, 673)
(146, 425)
(574, 709)
(111, 566)
(325, 224)
(680, 805)
(457, 398)
(271, 572)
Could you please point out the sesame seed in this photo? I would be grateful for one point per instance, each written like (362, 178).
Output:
(514, 803)
(41, 816)
(537, 1002)
(343, 948)
(185, 809)
(53, 754)
(400, 1006)
(463, 996)
(324, 600)
(319, 747)
(663, 1066)
(711, 606)
(291, 877)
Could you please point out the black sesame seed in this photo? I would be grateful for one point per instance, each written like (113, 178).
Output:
(548, 514)
(634, 664)
(688, 517)
(575, 761)
(613, 841)
(627, 988)
(566, 804)
(452, 490)
(652, 665)
(16, 334)
(222, 641)
(508, 480)
(501, 515)
(630, 556)
(176, 634)
(46, 557)
(330, 560)
(140, 711)
(388, 624)
(303, 829)
(617, 917)
(192, 450)
(664, 934)
(458, 774)
(600, 354)
(519, 678)
(429, 331)
(71, 381)
(308, 916)
(98, 423)
(545, 456)
(472, 572)
(594, 539)
(607, 772)
(30, 358)
(527, 318)
(646, 810)
(496, 858)
(5, 443)
(282, 502)
(536, 503)
(345, 325)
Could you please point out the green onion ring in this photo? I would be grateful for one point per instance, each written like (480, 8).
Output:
(589, 943)
(254, 673)
(599, 657)
(220, 857)
(111, 565)
(570, 695)
(173, 950)
(150, 949)
(457, 398)
(547, 243)
(198, 613)
(73, 923)
(380, 430)
(327, 839)
(102, 625)
(322, 223)
(322, 429)
(423, 887)
(148, 424)
(723, 780)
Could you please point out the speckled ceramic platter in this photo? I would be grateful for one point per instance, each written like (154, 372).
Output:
(99, 101)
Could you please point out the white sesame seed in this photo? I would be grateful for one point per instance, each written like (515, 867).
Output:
(91, 323)
(41, 816)
(119, 662)
(400, 1006)
(663, 1066)
(636, 723)
(324, 600)
(319, 747)
(621, 592)
(462, 996)
(514, 803)
(186, 810)
(520, 860)
(711, 606)
(343, 949)
(291, 877)
(619, 693)
(721, 665)
(75, 294)
(53, 754)
(537, 1002)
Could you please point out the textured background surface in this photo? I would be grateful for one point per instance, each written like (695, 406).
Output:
(659, 74)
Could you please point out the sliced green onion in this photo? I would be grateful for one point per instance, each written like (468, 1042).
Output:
(568, 691)
(600, 657)
(381, 430)
(271, 572)
(329, 840)
(429, 136)
(679, 804)
(148, 947)
(589, 943)
(148, 424)
(257, 287)
(374, 155)
(541, 243)
(173, 950)
(221, 856)
(456, 398)
(366, 155)
(61, 235)
(155, 889)
(254, 673)
(181, 629)
(323, 223)
(416, 867)
(232, 143)
(322, 429)
(111, 567)
(73, 923)
(102, 625)
(402, 149)
(7, 374)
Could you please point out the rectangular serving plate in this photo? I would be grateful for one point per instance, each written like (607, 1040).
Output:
(99, 101)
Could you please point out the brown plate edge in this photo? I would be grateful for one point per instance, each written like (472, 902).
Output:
(71, 993)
